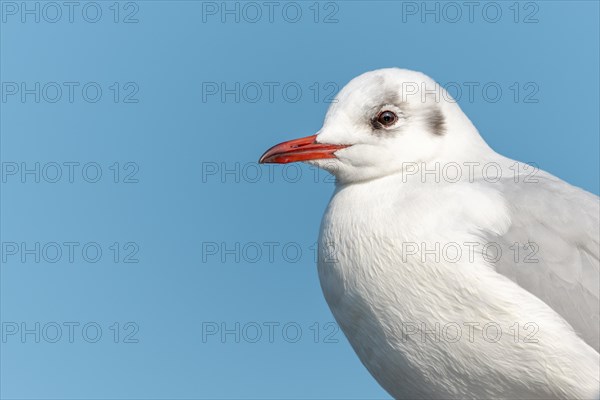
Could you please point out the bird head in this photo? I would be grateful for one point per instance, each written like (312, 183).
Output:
(380, 122)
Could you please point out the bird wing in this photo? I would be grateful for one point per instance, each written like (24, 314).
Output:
(552, 248)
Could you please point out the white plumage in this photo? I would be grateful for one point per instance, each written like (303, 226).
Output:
(409, 262)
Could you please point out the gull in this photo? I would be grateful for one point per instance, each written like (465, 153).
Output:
(453, 271)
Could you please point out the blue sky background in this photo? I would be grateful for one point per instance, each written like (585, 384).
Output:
(206, 240)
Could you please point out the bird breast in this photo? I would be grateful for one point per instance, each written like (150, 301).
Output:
(394, 308)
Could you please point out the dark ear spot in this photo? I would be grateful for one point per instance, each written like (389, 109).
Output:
(436, 121)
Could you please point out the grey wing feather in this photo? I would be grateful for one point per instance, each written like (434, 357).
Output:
(552, 248)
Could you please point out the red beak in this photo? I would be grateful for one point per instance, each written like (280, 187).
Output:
(302, 149)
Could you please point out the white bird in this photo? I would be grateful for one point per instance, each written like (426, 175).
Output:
(453, 271)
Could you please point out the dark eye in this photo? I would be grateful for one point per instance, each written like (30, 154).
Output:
(387, 118)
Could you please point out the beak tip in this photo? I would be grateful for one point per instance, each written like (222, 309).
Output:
(263, 159)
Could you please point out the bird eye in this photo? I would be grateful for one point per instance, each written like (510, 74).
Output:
(387, 118)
